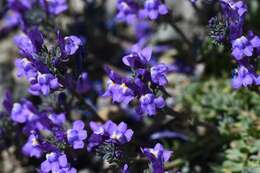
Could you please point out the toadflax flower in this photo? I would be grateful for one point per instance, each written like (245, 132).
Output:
(23, 112)
(83, 83)
(117, 88)
(157, 155)
(77, 134)
(56, 163)
(241, 47)
(32, 147)
(158, 74)
(244, 77)
(109, 132)
(152, 9)
(149, 104)
(43, 84)
(127, 11)
(55, 6)
(234, 14)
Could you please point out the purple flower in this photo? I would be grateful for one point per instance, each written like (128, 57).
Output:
(57, 119)
(244, 77)
(29, 44)
(244, 46)
(43, 84)
(127, 11)
(77, 134)
(26, 68)
(241, 47)
(157, 155)
(83, 83)
(158, 74)
(125, 169)
(55, 6)
(32, 147)
(138, 58)
(24, 43)
(10, 20)
(118, 134)
(23, 112)
(234, 13)
(20, 5)
(149, 104)
(56, 163)
(152, 9)
(118, 89)
(71, 44)
(8, 101)
(120, 93)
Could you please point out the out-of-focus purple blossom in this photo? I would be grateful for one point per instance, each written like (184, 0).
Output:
(142, 29)
(180, 67)
(23, 112)
(32, 147)
(234, 13)
(56, 163)
(127, 11)
(157, 156)
(125, 169)
(10, 20)
(20, 5)
(43, 84)
(158, 74)
(55, 6)
(77, 134)
(25, 68)
(118, 134)
(149, 104)
(168, 134)
(83, 83)
(193, 1)
(152, 9)
(57, 119)
(8, 101)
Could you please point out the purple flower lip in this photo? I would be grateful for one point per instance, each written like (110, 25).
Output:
(77, 135)
(157, 156)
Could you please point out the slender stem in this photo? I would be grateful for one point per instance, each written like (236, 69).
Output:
(170, 165)
(181, 33)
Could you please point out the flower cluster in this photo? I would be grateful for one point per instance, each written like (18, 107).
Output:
(36, 60)
(56, 162)
(46, 134)
(27, 13)
(244, 48)
(129, 10)
(46, 61)
(143, 86)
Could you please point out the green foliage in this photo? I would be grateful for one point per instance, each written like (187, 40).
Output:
(236, 114)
